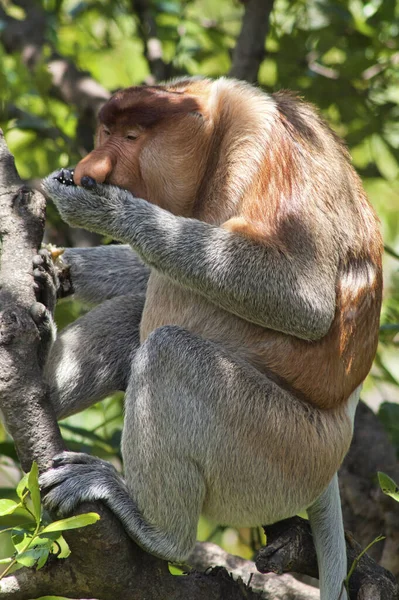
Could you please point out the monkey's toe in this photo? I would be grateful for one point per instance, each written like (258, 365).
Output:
(45, 280)
(39, 313)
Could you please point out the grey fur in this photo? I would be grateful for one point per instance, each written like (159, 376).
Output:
(204, 431)
(104, 272)
(238, 275)
(92, 357)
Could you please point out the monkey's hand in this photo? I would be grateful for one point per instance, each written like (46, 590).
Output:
(75, 478)
(96, 207)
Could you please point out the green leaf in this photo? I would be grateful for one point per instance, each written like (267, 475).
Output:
(33, 486)
(32, 556)
(72, 522)
(22, 486)
(46, 540)
(61, 548)
(20, 538)
(43, 559)
(388, 486)
(88, 435)
(7, 507)
(8, 449)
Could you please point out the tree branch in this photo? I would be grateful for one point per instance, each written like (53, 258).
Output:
(290, 548)
(70, 84)
(274, 586)
(250, 47)
(152, 44)
(22, 392)
(30, 121)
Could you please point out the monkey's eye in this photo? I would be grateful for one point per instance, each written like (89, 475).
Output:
(106, 131)
(132, 136)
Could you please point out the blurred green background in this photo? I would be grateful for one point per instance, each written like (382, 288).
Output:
(341, 55)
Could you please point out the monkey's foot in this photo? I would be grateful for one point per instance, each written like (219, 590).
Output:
(75, 478)
(45, 288)
(46, 280)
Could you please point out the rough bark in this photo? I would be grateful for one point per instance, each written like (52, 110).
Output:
(290, 548)
(275, 587)
(22, 392)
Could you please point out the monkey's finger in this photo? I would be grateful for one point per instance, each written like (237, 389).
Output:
(65, 176)
(69, 458)
(61, 499)
(65, 487)
(53, 477)
(44, 259)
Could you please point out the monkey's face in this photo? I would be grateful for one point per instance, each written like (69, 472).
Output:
(153, 142)
(115, 159)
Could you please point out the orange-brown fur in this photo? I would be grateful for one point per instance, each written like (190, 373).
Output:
(268, 169)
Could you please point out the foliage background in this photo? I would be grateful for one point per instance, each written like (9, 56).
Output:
(341, 55)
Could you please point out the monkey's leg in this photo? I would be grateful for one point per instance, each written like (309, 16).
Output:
(203, 432)
(325, 517)
(92, 357)
(103, 272)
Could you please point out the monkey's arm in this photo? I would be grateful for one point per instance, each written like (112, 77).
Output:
(104, 272)
(289, 292)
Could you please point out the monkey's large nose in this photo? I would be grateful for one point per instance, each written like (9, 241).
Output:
(92, 169)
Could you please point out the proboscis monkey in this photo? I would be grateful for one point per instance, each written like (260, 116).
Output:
(240, 318)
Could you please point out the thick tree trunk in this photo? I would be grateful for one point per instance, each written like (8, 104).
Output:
(29, 420)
